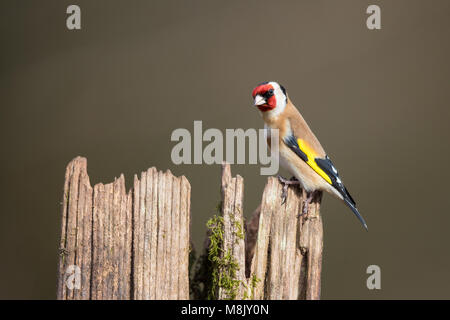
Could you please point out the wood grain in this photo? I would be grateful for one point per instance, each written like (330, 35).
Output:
(135, 245)
(281, 257)
(125, 245)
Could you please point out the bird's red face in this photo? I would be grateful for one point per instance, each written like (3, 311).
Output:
(270, 96)
(264, 97)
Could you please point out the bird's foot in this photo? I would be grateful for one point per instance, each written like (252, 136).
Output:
(286, 183)
(306, 202)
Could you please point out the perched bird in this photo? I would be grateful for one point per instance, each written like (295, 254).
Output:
(300, 151)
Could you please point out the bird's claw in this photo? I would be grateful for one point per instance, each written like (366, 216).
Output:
(305, 208)
(284, 193)
(282, 180)
(306, 202)
(286, 183)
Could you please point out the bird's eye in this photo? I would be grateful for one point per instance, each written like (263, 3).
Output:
(268, 93)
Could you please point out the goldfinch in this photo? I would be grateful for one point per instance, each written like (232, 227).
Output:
(300, 151)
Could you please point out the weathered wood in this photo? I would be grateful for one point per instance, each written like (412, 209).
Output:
(135, 245)
(288, 252)
(311, 245)
(111, 244)
(123, 245)
(76, 231)
(283, 249)
(233, 234)
(251, 236)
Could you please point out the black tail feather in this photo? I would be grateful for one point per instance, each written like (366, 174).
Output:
(351, 204)
(327, 166)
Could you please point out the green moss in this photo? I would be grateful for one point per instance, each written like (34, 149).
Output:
(224, 275)
(215, 227)
(240, 230)
(216, 269)
(201, 284)
(223, 264)
(254, 281)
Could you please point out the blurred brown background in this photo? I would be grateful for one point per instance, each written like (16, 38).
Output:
(115, 90)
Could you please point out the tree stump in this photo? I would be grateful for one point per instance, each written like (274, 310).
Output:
(124, 245)
(135, 245)
(281, 257)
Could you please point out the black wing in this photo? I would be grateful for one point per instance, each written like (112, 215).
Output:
(291, 142)
(325, 168)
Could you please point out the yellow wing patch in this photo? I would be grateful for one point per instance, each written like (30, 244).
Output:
(311, 154)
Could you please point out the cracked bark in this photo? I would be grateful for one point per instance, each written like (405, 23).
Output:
(124, 245)
(135, 245)
(281, 257)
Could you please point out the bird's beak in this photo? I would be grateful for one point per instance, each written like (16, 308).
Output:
(259, 100)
